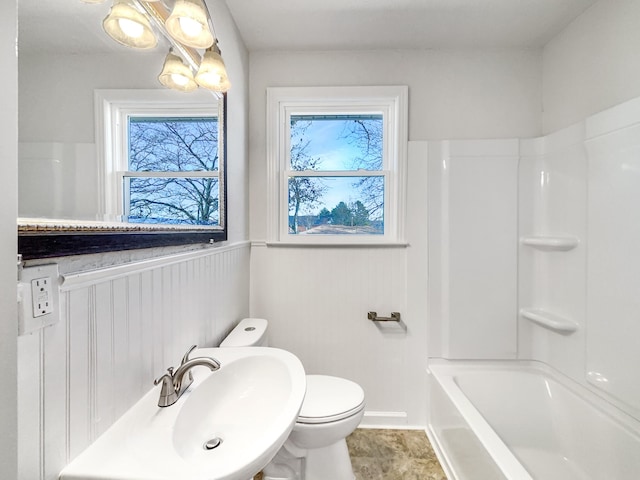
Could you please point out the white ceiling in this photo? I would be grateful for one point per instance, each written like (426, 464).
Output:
(398, 24)
(73, 26)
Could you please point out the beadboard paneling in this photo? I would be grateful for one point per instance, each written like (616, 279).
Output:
(116, 334)
(316, 301)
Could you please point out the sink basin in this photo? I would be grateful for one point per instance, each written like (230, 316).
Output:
(244, 411)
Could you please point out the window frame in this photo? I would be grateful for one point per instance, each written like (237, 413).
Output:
(283, 102)
(116, 109)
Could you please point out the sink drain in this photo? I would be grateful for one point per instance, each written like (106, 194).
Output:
(213, 443)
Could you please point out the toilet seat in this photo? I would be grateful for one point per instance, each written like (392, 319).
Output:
(329, 399)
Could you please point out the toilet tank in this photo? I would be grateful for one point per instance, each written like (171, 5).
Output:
(250, 332)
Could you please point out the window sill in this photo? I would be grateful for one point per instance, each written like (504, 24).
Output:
(280, 244)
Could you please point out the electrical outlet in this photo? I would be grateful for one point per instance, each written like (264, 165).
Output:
(41, 296)
(38, 293)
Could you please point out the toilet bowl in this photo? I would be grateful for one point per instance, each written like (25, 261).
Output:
(333, 407)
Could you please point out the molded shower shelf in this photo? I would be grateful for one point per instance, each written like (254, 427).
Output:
(549, 320)
(550, 243)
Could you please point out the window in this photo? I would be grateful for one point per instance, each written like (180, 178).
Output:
(337, 161)
(172, 174)
(162, 161)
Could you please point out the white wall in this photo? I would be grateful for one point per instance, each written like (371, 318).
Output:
(593, 64)
(553, 203)
(583, 182)
(61, 108)
(317, 299)
(236, 60)
(472, 218)
(8, 211)
(613, 256)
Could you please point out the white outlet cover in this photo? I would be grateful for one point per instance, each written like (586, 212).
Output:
(41, 296)
(27, 321)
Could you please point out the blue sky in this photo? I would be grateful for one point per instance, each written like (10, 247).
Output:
(327, 142)
(336, 153)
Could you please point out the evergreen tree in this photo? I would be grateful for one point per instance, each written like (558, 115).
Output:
(360, 214)
(324, 216)
(341, 215)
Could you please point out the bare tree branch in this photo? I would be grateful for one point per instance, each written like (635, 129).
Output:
(181, 145)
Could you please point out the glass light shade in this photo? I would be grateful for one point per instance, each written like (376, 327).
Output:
(189, 24)
(126, 25)
(176, 75)
(212, 73)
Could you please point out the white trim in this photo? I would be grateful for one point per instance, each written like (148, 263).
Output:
(390, 101)
(337, 242)
(373, 419)
(336, 173)
(170, 174)
(72, 281)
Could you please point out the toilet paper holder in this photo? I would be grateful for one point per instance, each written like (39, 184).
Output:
(390, 324)
(373, 316)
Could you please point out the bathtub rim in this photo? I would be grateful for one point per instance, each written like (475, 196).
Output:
(443, 372)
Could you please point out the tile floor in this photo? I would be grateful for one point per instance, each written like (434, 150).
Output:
(392, 455)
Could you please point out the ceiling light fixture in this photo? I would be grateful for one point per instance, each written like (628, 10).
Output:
(176, 74)
(129, 26)
(189, 24)
(212, 73)
(188, 27)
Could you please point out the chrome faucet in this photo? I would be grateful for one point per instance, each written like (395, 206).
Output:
(173, 382)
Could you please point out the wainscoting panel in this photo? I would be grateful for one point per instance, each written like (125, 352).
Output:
(119, 329)
(316, 301)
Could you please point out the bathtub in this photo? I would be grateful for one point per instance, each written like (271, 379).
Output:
(523, 421)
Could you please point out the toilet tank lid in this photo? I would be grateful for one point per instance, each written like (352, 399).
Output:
(248, 333)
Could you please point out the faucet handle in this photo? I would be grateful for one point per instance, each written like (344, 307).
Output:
(163, 377)
(185, 359)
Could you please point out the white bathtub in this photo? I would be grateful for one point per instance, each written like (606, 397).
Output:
(523, 421)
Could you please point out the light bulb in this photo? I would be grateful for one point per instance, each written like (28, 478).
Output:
(131, 28)
(211, 78)
(212, 73)
(190, 27)
(179, 79)
(189, 24)
(128, 26)
(175, 74)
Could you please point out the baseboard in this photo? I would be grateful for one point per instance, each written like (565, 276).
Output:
(373, 419)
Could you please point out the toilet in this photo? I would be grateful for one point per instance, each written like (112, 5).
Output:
(333, 407)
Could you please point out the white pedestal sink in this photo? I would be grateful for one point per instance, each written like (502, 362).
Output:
(250, 404)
